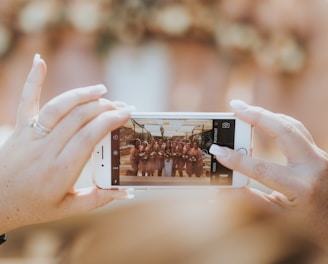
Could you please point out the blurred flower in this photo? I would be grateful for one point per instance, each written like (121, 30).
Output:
(282, 53)
(136, 21)
(85, 16)
(291, 56)
(127, 21)
(36, 16)
(241, 37)
(173, 19)
(204, 20)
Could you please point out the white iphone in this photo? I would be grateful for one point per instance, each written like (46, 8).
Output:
(170, 150)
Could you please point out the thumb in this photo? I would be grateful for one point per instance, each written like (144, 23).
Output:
(84, 200)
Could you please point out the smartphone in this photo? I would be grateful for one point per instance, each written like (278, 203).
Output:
(170, 150)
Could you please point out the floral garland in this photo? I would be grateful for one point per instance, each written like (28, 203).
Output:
(136, 21)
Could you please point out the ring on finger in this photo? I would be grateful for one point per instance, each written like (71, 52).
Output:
(38, 128)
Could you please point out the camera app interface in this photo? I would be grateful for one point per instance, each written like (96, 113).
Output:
(170, 152)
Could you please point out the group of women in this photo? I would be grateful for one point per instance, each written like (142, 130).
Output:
(156, 158)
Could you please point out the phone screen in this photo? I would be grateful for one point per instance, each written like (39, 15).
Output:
(170, 152)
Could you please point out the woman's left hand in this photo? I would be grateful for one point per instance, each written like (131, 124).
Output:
(43, 158)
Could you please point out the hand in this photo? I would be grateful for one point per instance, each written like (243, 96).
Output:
(38, 172)
(301, 186)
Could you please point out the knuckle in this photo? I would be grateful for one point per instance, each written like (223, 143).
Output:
(299, 124)
(52, 110)
(262, 169)
(87, 111)
(258, 115)
(82, 113)
(288, 128)
(79, 114)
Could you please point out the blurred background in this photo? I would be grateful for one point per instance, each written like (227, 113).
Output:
(166, 55)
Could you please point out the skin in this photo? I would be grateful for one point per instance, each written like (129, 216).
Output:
(37, 173)
(300, 186)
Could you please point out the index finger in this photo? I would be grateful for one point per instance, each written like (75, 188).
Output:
(292, 142)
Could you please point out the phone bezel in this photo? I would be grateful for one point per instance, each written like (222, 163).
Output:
(101, 159)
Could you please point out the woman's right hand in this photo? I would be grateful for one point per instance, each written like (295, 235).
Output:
(300, 186)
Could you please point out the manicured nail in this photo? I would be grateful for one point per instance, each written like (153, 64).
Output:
(36, 59)
(125, 111)
(119, 104)
(123, 195)
(130, 108)
(239, 105)
(129, 196)
(221, 152)
(99, 89)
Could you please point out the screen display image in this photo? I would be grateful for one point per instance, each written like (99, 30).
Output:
(170, 152)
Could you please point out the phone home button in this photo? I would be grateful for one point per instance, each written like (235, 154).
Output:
(242, 151)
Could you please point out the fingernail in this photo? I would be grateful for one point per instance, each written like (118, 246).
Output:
(119, 104)
(221, 152)
(124, 112)
(129, 108)
(99, 89)
(36, 59)
(124, 195)
(130, 196)
(239, 105)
